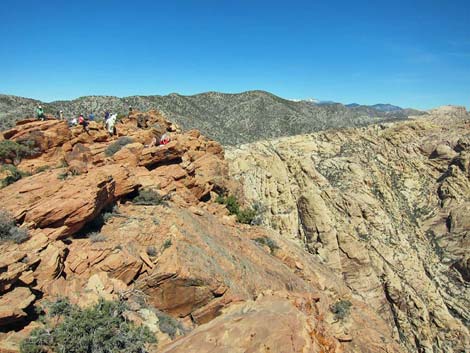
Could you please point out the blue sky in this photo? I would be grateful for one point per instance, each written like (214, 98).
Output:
(410, 53)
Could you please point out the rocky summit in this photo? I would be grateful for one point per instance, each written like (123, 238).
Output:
(385, 208)
(348, 240)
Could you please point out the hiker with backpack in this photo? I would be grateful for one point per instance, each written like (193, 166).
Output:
(40, 113)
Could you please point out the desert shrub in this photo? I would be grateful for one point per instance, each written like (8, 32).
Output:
(101, 328)
(258, 211)
(244, 215)
(151, 251)
(341, 309)
(14, 150)
(9, 230)
(166, 244)
(96, 237)
(169, 325)
(265, 241)
(232, 204)
(13, 175)
(116, 146)
(63, 176)
(69, 173)
(110, 212)
(42, 168)
(148, 197)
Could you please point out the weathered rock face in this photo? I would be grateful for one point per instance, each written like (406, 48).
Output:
(185, 257)
(384, 207)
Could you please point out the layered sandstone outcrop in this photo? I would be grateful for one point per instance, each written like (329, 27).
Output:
(182, 256)
(384, 207)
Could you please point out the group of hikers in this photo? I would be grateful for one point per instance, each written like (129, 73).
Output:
(109, 119)
(109, 123)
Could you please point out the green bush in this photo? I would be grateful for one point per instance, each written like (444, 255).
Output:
(148, 197)
(9, 231)
(13, 175)
(167, 243)
(42, 168)
(63, 176)
(169, 325)
(244, 215)
(341, 309)
(101, 328)
(116, 146)
(265, 241)
(152, 251)
(14, 150)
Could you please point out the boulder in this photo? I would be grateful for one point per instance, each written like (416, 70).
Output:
(13, 304)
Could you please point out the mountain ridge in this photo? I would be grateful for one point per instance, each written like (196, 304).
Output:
(231, 118)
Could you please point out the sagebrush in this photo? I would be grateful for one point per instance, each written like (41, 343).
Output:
(9, 231)
(341, 309)
(244, 215)
(13, 175)
(101, 328)
(148, 197)
(14, 150)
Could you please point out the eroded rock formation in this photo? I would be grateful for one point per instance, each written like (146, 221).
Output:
(385, 208)
(183, 256)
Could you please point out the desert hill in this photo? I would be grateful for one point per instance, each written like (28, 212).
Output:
(228, 118)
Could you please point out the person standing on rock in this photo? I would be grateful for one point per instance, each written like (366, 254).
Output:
(110, 122)
(40, 113)
(91, 117)
(83, 122)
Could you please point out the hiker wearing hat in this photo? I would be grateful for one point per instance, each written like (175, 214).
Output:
(40, 113)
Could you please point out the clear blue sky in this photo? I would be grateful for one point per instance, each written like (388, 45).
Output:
(410, 53)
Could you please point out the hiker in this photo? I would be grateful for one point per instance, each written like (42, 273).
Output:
(130, 111)
(106, 116)
(73, 122)
(61, 115)
(40, 113)
(164, 139)
(83, 122)
(109, 124)
(91, 117)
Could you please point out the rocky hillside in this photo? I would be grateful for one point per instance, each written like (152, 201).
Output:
(97, 216)
(383, 207)
(228, 118)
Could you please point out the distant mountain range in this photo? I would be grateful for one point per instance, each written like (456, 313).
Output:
(379, 107)
(229, 118)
